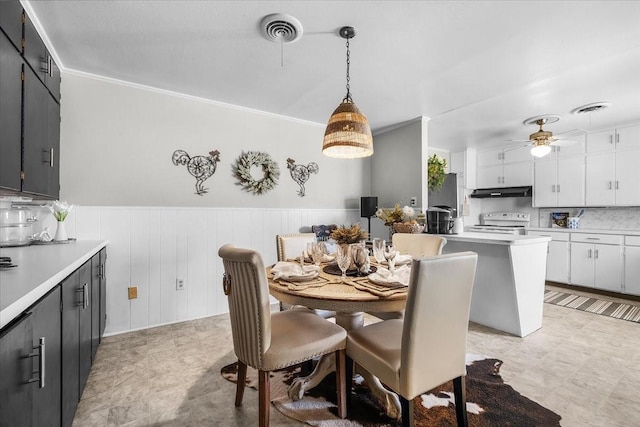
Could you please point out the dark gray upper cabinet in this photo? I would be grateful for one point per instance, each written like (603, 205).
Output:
(11, 21)
(39, 58)
(40, 138)
(10, 116)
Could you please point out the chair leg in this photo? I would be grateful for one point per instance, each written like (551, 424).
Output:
(406, 407)
(348, 382)
(460, 394)
(341, 383)
(263, 398)
(242, 376)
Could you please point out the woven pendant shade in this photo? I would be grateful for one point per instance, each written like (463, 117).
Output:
(348, 135)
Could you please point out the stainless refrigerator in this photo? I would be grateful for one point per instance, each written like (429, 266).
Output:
(447, 195)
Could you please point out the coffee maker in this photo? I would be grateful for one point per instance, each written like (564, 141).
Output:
(440, 220)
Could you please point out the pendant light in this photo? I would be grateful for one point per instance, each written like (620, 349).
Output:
(348, 135)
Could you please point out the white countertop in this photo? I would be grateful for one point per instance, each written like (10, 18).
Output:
(39, 269)
(586, 230)
(495, 238)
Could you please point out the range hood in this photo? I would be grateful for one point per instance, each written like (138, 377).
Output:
(486, 193)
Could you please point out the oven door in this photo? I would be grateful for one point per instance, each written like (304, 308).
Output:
(496, 229)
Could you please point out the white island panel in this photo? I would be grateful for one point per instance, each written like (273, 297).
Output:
(508, 293)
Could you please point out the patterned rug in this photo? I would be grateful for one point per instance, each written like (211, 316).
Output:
(594, 305)
(490, 402)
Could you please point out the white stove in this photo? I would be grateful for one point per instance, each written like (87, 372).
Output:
(502, 222)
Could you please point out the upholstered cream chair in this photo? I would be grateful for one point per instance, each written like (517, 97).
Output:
(418, 246)
(270, 341)
(428, 347)
(291, 246)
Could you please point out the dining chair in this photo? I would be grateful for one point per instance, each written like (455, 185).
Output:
(428, 347)
(417, 246)
(291, 246)
(271, 341)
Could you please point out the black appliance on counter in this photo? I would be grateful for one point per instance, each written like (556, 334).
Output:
(440, 220)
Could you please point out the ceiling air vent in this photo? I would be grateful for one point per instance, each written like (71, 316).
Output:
(590, 108)
(280, 28)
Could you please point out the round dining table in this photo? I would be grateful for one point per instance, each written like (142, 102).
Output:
(350, 300)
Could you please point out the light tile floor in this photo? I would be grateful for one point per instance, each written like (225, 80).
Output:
(584, 366)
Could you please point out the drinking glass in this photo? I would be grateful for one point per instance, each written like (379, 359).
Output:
(390, 253)
(317, 252)
(360, 255)
(378, 249)
(343, 258)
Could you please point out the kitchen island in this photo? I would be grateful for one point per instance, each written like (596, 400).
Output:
(508, 293)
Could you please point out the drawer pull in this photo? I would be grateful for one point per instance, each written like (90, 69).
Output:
(593, 238)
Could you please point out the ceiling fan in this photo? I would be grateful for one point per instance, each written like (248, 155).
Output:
(542, 140)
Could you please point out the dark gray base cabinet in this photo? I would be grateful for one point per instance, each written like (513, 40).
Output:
(30, 366)
(47, 352)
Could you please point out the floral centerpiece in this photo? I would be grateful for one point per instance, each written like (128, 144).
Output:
(60, 210)
(349, 234)
(399, 219)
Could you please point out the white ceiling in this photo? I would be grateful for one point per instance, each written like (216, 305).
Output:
(476, 68)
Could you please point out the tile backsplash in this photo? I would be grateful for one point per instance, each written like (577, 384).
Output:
(613, 218)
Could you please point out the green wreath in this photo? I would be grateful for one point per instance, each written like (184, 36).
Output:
(269, 168)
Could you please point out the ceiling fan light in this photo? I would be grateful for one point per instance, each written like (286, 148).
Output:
(348, 135)
(540, 150)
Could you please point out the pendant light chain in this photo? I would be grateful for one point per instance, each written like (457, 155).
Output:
(348, 97)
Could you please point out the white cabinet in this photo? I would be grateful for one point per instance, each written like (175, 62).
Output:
(632, 265)
(612, 178)
(597, 261)
(463, 163)
(505, 168)
(559, 181)
(614, 139)
(557, 255)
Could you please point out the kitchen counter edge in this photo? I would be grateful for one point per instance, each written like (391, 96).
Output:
(57, 271)
(495, 238)
(585, 230)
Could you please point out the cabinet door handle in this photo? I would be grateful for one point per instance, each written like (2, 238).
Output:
(610, 187)
(558, 188)
(51, 157)
(617, 137)
(617, 186)
(85, 295)
(610, 139)
(41, 363)
(596, 254)
(589, 253)
(553, 188)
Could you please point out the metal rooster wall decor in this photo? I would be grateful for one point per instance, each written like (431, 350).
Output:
(301, 173)
(200, 167)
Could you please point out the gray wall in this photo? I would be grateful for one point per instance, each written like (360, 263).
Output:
(117, 142)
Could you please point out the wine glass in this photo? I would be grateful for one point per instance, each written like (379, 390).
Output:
(317, 252)
(343, 258)
(378, 249)
(390, 253)
(359, 254)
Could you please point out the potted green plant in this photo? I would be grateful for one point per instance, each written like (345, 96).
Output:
(436, 171)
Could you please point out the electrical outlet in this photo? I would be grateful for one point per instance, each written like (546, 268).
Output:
(133, 292)
(414, 201)
(180, 285)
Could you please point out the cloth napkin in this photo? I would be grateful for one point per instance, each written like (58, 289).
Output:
(400, 259)
(293, 271)
(384, 276)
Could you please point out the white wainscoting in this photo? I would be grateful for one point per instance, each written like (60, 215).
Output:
(152, 246)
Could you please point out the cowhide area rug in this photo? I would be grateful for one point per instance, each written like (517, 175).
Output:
(490, 402)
